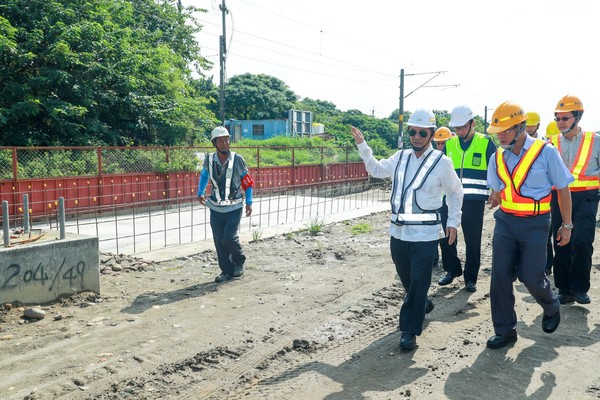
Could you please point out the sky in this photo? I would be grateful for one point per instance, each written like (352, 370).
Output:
(472, 52)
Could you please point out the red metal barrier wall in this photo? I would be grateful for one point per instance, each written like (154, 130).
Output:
(124, 190)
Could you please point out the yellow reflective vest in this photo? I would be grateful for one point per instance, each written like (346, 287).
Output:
(513, 202)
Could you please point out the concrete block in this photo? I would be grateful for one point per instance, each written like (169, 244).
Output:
(42, 271)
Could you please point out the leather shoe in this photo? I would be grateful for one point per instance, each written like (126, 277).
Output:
(223, 278)
(582, 298)
(470, 287)
(238, 271)
(550, 323)
(429, 306)
(447, 279)
(565, 298)
(498, 341)
(408, 341)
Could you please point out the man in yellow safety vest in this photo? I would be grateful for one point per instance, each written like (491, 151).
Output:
(580, 151)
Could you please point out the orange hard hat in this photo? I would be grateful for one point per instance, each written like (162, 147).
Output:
(506, 115)
(569, 103)
(442, 134)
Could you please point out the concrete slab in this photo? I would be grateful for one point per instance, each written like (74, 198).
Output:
(41, 271)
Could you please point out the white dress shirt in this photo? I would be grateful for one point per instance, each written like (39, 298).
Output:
(441, 180)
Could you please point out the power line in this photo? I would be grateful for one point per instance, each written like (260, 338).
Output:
(344, 62)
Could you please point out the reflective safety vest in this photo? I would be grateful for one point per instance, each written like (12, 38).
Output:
(228, 174)
(513, 202)
(580, 164)
(471, 165)
(405, 210)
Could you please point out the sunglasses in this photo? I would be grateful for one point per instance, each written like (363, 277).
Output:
(413, 132)
(564, 119)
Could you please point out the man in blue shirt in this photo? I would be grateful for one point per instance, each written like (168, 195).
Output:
(228, 174)
(521, 175)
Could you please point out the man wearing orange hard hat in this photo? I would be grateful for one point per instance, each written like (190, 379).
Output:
(580, 151)
(441, 136)
(522, 173)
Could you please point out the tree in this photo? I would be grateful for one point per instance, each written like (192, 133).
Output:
(98, 72)
(261, 96)
(318, 107)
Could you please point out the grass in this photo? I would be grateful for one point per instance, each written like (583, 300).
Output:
(363, 227)
(256, 235)
(315, 226)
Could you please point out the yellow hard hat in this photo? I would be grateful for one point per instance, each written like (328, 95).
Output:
(552, 129)
(533, 118)
(442, 134)
(569, 103)
(506, 115)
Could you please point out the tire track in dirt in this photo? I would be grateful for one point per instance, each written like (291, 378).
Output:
(377, 338)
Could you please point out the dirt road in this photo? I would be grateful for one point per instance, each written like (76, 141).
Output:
(314, 317)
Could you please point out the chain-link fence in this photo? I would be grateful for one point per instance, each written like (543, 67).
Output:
(17, 163)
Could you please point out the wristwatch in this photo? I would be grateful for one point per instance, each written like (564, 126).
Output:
(568, 226)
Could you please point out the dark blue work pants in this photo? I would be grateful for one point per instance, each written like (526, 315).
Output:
(414, 265)
(573, 262)
(472, 228)
(519, 251)
(227, 242)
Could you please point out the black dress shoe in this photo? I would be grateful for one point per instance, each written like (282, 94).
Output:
(408, 341)
(582, 298)
(429, 306)
(223, 278)
(565, 298)
(550, 323)
(470, 287)
(447, 279)
(498, 341)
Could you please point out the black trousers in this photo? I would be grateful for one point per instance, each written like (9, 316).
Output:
(472, 228)
(414, 265)
(227, 242)
(573, 262)
(519, 251)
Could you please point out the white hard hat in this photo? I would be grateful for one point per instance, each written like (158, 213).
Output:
(422, 118)
(219, 131)
(460, 116)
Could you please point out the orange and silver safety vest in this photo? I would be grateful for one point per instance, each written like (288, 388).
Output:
(580, 164)
(513, 202)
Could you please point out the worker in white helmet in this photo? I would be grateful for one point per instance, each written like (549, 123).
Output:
(419, 178)
(227, 173)
(469, 151)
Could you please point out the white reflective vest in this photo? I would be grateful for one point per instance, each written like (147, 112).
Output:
(228, 175)
(405, 210)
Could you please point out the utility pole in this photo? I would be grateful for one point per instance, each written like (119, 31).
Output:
(222, 58)
(402, 97)
(401, 111)
(485, 121)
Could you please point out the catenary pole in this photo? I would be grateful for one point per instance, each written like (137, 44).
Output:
(222, 58)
